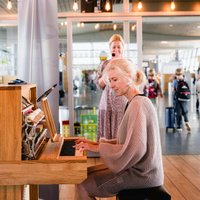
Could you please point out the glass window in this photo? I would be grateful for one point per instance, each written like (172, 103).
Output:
(8, 49)
(89, 46)
(8, 42)
(171, 40)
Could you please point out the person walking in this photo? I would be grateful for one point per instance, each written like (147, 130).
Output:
(196, 78)
(152, 88)
(198, 92)
(182, 97)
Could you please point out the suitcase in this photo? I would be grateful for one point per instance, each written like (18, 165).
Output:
(169, 118)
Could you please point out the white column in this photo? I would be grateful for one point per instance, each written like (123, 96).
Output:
(70, 76)
(126, 6)
(126, 36)
(139, 42)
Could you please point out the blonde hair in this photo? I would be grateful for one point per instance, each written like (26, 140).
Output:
(116, 37)
(128, 70)
(151, 72)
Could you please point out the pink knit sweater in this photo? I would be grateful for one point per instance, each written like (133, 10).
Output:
(138, 148)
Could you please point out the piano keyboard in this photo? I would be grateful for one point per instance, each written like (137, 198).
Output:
(69, 150)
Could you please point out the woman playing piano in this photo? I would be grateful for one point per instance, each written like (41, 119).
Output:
(135, 161)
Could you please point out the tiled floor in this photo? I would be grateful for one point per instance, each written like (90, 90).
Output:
(174, 142)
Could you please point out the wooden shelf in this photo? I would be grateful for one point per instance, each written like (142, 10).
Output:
(35, 172)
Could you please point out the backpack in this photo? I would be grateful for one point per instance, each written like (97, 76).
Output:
(152, 89)
(183, 92)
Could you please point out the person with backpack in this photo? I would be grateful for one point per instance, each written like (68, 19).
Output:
(197, 85)
(182, 97)
(152, 89)
(198, 92)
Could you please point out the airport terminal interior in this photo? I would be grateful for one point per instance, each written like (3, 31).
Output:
(163, 42)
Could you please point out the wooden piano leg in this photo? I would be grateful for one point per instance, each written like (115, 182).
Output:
(11, 192)
(34, 192)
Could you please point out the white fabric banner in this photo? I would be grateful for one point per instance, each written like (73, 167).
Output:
(38, 47)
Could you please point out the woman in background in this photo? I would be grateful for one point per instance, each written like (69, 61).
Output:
(111, 107)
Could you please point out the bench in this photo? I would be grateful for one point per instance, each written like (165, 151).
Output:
(155, 193)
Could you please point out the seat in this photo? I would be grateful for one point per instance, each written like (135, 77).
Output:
(155, 193)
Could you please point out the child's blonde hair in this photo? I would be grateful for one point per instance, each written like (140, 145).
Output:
(179, 71)
(151, 72)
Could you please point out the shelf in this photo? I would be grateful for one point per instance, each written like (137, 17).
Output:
(33, 172)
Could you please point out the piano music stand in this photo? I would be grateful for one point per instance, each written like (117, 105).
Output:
(49, 119)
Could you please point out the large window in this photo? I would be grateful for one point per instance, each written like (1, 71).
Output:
(8, 50)
(172, 42)
(80, 51)
(8, 41)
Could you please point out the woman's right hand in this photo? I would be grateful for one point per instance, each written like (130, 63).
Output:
(84, 144)
(85, 141)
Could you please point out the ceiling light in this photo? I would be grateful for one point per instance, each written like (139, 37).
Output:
(82, 24)
(133, 27)
(164, 42)
(96, 26)
(75, 6)
(115, 27)
(78, 24)
(107, 5)
(139, 5)
(173, 6)
(9, 5)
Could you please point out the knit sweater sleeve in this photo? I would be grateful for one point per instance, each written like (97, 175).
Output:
(133, 129)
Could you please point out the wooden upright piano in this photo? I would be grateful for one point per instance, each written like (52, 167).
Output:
(47, 166)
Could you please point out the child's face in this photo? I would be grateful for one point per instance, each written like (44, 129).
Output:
(151, 77)
(179, 76)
